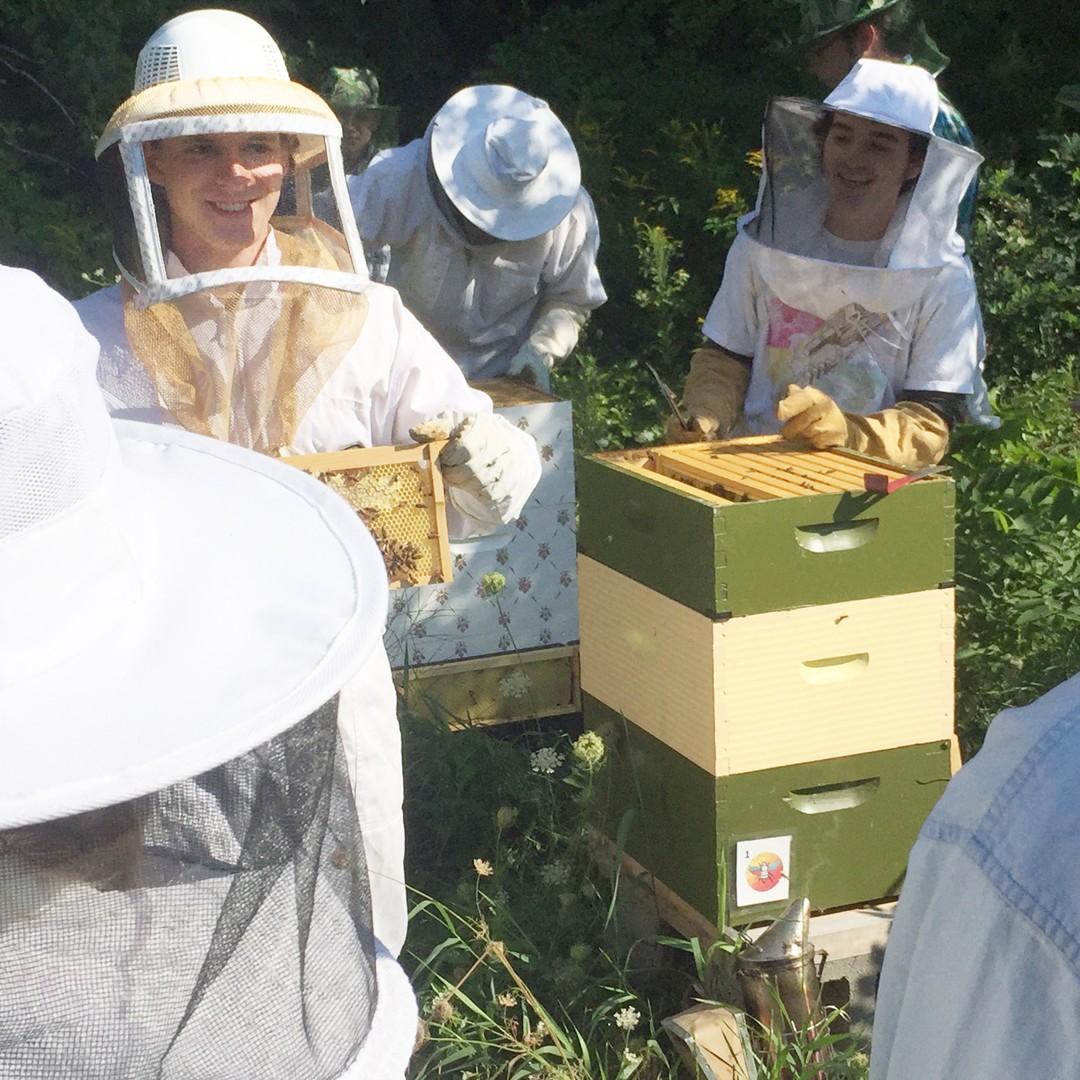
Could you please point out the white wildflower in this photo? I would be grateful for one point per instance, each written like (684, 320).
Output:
(515, 685)
(588, 748)
(556, 873)
(545, 760)
(627, 1019)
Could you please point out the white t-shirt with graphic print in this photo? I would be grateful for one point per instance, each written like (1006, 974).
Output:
(862, 359)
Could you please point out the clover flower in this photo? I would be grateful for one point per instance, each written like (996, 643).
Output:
(493, 583)
(588, 749)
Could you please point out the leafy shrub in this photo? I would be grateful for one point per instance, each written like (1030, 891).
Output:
(1026, 238)
(1017, 552)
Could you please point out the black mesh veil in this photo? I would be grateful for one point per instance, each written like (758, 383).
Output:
(215, 930)
(793, 197)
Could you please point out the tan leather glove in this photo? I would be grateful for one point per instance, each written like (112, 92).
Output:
(908, 435)
(713, 396)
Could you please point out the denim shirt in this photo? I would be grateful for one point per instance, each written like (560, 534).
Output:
(982, 971)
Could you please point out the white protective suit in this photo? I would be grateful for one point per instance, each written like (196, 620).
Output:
(482, 302)
(863, 321)
(183, 893)
(395, 377)
(981, 976)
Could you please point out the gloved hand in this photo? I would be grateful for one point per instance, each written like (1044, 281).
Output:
(532, 365)
(478, 465)
(909, 434)
(713, 396)
(702, 429)
(811, 415)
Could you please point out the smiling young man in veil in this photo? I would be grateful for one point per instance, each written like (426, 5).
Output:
(848, 315)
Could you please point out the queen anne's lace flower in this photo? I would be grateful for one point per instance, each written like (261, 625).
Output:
(515, 685)
(556, 873)
(545, 760)
(627, 1019)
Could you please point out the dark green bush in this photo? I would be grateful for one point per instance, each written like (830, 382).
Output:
(1026, 240)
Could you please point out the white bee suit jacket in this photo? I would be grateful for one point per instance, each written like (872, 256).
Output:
(482, 302)
(395, 377)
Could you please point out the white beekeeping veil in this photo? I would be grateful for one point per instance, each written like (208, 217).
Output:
(788, 224)
(236, 351)
(842, 325)
(183, 891)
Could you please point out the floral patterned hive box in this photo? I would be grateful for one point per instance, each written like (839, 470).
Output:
(515, 589)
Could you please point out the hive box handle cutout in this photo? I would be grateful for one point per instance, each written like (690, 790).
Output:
(828, 798)
(835, 668)
(835, 535)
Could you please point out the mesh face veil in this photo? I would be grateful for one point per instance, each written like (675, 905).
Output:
(218, 927)
(244, 272)
(788, 226)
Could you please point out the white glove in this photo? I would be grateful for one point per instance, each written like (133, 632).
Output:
(532, 365)
(483, 467)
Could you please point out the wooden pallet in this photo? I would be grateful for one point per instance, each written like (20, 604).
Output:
(398, 492)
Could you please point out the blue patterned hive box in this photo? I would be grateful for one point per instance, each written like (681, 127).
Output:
(523, 634)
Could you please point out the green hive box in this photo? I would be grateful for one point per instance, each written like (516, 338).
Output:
(850, 822)
(744, 558)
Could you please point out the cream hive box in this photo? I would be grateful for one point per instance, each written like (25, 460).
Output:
(515, 652)
(743, 694)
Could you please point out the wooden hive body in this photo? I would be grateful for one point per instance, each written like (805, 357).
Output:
(782, 687)
(758, 525)
(849, 822)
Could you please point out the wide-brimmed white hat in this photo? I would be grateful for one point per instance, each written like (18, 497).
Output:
(167, 602)
(902, 95)
(505, 161)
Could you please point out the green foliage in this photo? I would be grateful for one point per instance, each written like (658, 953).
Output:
(1017, 552)
(517, 965)
(1026, 239)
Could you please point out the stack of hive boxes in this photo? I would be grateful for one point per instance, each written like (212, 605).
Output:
(768, 647)
(478, 656)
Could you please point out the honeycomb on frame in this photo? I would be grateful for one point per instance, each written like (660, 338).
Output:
(398, 493)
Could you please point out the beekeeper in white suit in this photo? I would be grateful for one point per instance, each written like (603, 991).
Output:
(183, 890)
(245, 315)
(492, 238)
(848, 314)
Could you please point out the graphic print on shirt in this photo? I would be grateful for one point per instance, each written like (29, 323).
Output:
(845, 355)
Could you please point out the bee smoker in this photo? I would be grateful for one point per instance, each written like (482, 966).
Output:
(781, 987)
